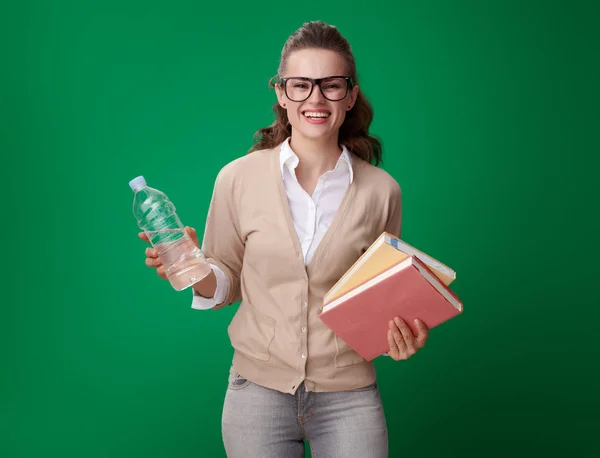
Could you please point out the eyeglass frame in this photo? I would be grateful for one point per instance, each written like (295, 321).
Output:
(314, 82)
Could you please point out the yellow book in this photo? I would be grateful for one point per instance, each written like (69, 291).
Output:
(385, 252)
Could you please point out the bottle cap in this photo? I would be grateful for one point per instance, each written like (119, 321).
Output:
(137, 182)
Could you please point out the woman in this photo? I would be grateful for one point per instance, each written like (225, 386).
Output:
(285, 222)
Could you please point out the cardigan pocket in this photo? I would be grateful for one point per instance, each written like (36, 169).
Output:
(345, 355)
(251, 332)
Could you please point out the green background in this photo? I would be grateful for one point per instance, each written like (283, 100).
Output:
(488, 112)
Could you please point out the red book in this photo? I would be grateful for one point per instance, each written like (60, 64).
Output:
(408, 289)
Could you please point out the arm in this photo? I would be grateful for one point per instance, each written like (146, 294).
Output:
(394, 219)
(223, 245)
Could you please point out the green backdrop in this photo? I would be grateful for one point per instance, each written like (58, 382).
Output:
(488, 112)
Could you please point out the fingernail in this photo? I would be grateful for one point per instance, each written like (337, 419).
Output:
(417, 321)
(398, 320)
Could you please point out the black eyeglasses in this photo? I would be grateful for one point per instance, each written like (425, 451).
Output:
(298, 88)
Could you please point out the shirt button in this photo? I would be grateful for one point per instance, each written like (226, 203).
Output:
(303, 328)
(304, 355)
(302, 377)
(304, 304)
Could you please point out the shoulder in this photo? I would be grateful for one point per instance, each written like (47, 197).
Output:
(370, 177)
(253, 164)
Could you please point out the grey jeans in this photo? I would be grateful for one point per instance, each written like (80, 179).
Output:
(262, 423)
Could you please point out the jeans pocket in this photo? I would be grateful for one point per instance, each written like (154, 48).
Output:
(236, 381)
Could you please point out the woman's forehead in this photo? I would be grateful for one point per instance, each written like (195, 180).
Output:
(315, 63)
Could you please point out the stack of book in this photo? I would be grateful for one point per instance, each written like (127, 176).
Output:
(390, 279)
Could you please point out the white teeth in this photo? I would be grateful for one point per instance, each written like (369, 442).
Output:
(314, 114)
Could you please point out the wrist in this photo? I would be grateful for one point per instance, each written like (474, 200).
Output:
(207, 286)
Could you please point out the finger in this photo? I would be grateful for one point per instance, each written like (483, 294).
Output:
(143, 236)
(153, 262)
(407, 333)
(423, 333)
(162, 272)
(398, 338)
(151, 252)
(394, 352)
(193, 235)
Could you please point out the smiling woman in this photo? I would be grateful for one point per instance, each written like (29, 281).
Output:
(318, 55)
(285, 222)
(302, 103)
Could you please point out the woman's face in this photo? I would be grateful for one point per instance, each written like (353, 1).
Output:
(316, 118)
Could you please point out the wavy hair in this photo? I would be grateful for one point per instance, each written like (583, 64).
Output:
(354, 132)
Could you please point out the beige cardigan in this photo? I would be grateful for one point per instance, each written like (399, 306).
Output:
(278, 338)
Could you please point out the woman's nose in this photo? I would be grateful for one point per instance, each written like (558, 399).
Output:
(317, 95)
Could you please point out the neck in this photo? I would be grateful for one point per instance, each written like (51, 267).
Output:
(315, 156)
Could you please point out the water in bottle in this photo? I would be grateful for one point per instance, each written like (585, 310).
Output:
(184, 262)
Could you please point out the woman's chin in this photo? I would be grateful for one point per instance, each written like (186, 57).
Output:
(316, 132)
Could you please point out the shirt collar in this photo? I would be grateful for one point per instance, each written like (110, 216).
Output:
(288, 158)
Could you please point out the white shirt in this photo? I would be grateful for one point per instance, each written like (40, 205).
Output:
(311, 215)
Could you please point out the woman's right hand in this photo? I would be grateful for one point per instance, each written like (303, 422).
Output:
(152, 259)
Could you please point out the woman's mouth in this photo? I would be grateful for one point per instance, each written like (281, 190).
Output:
(316, 117)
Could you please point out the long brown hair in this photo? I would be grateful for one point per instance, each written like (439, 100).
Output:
(354, 132)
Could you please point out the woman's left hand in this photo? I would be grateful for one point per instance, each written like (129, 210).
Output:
(403, 343)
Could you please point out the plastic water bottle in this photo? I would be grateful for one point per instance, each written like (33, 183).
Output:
(184, 262)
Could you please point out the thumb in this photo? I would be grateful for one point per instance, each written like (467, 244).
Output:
(192, 233)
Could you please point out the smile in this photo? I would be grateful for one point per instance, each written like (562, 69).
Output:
(316, 114)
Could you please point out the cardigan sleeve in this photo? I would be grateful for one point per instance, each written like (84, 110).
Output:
(223, 245)
(394, 220)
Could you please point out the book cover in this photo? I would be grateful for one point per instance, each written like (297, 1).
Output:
(408, 289)
(385, 252)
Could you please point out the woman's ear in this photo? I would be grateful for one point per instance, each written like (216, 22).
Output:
(280, 97)
(353, 97)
